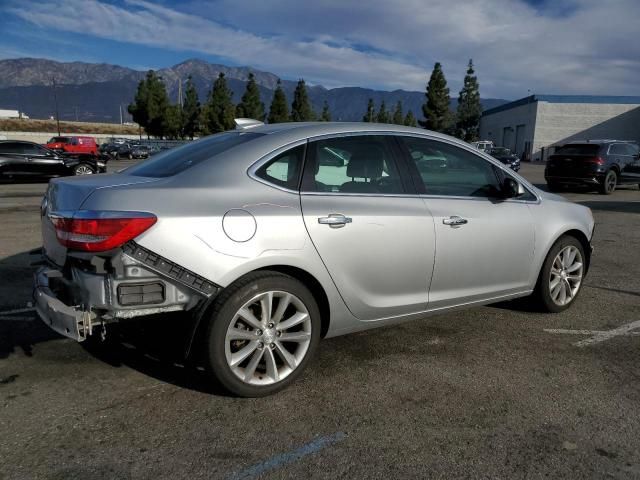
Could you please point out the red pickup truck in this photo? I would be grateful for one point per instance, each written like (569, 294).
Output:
(73, 144)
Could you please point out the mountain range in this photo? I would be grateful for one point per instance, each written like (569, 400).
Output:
(98, 92)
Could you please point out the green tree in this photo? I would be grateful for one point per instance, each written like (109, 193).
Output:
(219, 111)
(325, 116)
(382, 116)
(278, 111)
(250, 105)
(150, 105)
(173, 122)
(190, 110)
(398, 118)
(469, 108)
(410, 120)
(301, 110)
(436, 108)
(370, 116)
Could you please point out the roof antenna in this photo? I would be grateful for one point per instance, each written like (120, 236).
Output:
(246, 123)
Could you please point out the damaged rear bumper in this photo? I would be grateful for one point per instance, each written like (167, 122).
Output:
(69, 321)
(132, 282)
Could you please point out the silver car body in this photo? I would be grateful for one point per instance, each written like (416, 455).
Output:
(217, 221)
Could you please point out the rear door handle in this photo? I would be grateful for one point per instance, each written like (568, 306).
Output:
(335, 220)
(455, 220)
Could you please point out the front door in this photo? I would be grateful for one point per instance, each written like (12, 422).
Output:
(484, 245)
(43, 161)
(376, 240)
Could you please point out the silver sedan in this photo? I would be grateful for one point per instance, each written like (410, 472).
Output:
(275, 236)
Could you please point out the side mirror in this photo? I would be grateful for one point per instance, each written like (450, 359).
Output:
(511, 188)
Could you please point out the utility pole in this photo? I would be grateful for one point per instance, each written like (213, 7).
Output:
(55, 99)
(120, 106)
(180, 92)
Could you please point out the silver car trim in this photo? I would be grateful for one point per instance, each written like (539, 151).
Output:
(251, 172)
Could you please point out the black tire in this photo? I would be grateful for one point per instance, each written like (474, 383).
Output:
(553, 187)
(83, 169)
(542, 293)
(223, 312)
(609, 183)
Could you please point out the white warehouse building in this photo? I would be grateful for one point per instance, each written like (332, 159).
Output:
(533, 126)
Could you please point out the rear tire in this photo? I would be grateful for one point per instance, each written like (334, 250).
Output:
(609, 183)
(562, 275)
(245, 350)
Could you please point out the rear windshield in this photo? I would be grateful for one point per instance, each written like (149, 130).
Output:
(179, 159)
(579, 149)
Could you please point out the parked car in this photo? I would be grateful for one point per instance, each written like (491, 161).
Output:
(140, 151)
(505, 155)
(117, 150)
(484, 145)
(73, 144)
(28, 158)
(271, 249)
(603, 164)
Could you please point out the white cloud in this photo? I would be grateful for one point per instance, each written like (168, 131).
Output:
(567, 46)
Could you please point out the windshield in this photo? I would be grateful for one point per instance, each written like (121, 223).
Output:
(176, 160)
(59, 140)
(500, 151)
(578, 149)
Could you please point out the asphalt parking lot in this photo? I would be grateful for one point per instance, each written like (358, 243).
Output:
(493, 392)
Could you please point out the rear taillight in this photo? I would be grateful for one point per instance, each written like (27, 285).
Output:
(596, 160)
(100, 231)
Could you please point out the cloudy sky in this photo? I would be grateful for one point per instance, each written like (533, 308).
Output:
(518, 46)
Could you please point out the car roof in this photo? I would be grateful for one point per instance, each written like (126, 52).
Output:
(19, 141)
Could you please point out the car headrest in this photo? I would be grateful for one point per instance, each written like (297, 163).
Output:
(366, 163)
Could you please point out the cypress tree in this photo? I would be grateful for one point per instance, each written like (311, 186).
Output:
(173, 122)
(397, 114)
(436, 108)
(278, 111)
(250, 105)
(190, 110)
(150, 105)
(370, 116)
(469, 108)
(219, 111)
(325, 116)
(410, 120)
(301, 110)
(383, 115)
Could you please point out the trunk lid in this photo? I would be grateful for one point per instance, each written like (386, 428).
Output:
(66, 195)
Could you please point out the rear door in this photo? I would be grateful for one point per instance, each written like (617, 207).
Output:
(42, 161)
(373, 232)
(12, 158)
(484, 245)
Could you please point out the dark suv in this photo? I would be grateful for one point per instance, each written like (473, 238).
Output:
(599, 163)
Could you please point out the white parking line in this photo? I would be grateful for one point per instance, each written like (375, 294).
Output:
(17, 310)
(598, 336)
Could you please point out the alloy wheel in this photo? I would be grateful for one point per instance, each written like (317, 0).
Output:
(268, 338)
(83, 170)
(566, 275)
(610, 182)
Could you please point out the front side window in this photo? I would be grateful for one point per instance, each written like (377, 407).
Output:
(444, 169)
(352, 164)
(284, 169)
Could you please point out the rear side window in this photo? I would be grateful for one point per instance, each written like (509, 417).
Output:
(579, 149)
(284, 169)
(353, 164)
(176, 160)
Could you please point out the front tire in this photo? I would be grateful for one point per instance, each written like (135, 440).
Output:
(262, 332)
(83, 169)
(562, 274)
(609, 183)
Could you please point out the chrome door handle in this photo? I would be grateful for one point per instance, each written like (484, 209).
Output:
(455, 220)
(335, 220)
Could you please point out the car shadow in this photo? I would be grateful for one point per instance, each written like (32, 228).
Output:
(611, 206)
